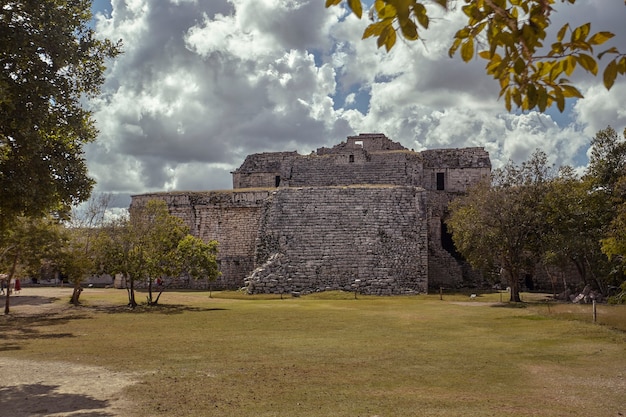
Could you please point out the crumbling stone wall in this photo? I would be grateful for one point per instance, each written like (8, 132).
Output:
(366, 209)
(315, 238)
(263, 170)
(336, 238)
(370, 142)
(366, 159)
(356, 167)
(230, 217)
(460, 168)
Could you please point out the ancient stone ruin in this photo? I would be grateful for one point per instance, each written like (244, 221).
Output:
(366, 215)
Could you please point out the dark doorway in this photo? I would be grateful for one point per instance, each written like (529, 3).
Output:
(447, 243)
(441, 181)
(277, 181)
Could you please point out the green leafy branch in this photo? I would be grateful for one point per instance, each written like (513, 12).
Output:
(510, 36)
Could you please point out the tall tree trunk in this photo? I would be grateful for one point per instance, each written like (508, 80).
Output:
(9, 278)
(553, 280)
(76, 294)
(149, 291)
(602, 286)
(156, 301)
(131, 292)
(580, 267)
(514, 286)
(6, 297)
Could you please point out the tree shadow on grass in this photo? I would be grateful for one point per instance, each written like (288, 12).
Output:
(41, 399)
(167, 309)
(510, 305)
(28, 327)
(8, 346)
(33, 300)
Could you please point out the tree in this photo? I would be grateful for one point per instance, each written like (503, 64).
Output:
(530, 215)
(614, 243)
(50, 61)
(77, 258)
(576, 218)
(607, 162)
(25, 245)
(197, 259)
(497, 224)
(114, 253)
(607, 173)
(510, 36)
(143, 246)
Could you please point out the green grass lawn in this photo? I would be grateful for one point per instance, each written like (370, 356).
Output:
(332, 355)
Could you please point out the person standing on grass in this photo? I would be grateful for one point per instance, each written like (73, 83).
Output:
(18, 287)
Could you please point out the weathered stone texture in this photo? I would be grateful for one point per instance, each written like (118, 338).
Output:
(261, 170)
(366, 209)
(460, 167)
(328, 238)
(356, 167)
(230, 217)
(370, 142)
(366, 159)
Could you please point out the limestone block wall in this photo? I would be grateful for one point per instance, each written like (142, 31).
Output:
(324, 220)
(456, 180)
(460, 180)
(255, 179)
(260, 170)
(377, 161)
(230, 217)
(444, 270)
(460, 168)
(177, 203)
(357, 166)
(456, 158)
(371, 142)
(315, 239)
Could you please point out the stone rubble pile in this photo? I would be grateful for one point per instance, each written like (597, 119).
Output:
(586, 296)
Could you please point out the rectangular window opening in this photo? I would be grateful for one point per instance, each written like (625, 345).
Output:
(277, 180)
(351, 158)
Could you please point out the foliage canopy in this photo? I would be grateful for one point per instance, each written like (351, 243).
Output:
(497, 224)
(530, 215)
(50, 60)
(511, 36)
(26, 245)
(151, 243)
(608, 164)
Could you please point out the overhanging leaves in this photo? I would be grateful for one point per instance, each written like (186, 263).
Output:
(515, 32)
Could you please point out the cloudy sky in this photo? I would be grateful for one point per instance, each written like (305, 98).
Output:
(202, 84)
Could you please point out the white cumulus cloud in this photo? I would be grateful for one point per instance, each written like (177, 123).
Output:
(203, 84)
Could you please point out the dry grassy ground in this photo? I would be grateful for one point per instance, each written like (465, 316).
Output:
(234, 355)
(54, 387)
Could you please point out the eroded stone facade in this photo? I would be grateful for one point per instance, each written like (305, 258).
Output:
(367, 213)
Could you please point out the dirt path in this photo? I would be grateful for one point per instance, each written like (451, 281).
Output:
(35, 388)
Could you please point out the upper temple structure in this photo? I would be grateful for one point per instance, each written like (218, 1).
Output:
(366, 215)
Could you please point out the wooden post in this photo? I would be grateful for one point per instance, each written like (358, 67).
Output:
(595, 312)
